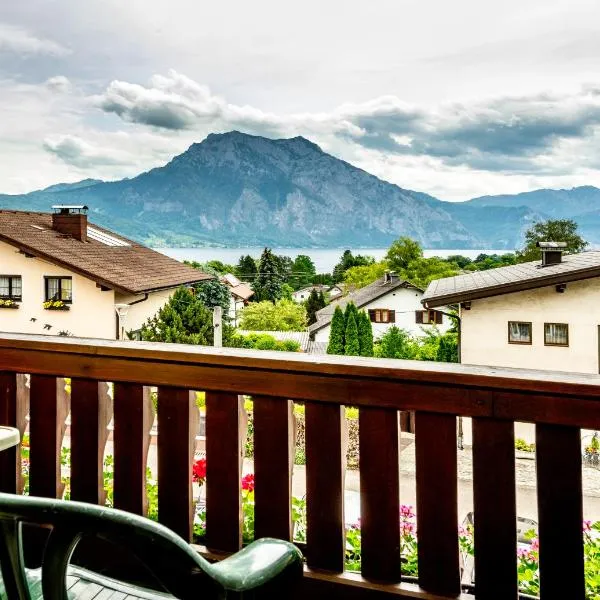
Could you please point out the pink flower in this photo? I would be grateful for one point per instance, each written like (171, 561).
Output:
(407, 528)
(406, 512)
(535, 545)
(248, 482)
(587, 526)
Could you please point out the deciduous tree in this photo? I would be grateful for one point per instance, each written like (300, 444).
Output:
(284, 315)
(402, 252)
(553, 230)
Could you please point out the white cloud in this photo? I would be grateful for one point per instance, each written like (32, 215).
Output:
(59, 84)
(21, 41)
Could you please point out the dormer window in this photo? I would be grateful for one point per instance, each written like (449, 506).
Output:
(59, 288)
(11, 287)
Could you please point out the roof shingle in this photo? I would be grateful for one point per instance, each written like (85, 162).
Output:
(127, 267)
(513, 278)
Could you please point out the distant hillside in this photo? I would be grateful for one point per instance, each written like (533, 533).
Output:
(235, 189)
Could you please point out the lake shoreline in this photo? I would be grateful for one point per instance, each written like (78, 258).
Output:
(324, 259)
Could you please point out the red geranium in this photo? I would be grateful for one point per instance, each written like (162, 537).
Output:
(199, 471)
(248, 482)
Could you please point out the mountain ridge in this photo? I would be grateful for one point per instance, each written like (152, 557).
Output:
(234, 189)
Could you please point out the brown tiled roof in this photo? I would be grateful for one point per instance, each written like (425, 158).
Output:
(360, 298)
(236, 287)
(128, 267)
(513, 278)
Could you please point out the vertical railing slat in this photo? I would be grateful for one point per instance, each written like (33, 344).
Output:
(325, 462)
(91, 410)
(379, 494)
(133, 416)
(494, 501)
(49, 407)
(437, 513)
(560, 511)
(177, 427)
(14, 406)
(223, 471)
(273, 460)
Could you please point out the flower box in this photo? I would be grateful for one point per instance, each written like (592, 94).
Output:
(64, 307)
(13, 305)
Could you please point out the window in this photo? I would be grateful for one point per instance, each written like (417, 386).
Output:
(519, 332)
(429, 317)
(11, 287)
(382, 315)
(556, 334)
(59, 288)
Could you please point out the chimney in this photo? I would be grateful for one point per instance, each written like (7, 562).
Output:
(551, 252)
(390, 277)
(71, 220)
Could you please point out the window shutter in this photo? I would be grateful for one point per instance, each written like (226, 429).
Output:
(439, 318)
(419, 316)
(391, 316)
(372, 315)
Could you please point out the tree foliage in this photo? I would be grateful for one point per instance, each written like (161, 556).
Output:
(365, 334)
(347, 261)
(246, 268)
(352, 345)
(314, 303)
(263, 341)
(337, 334)
(268, 282)
(557, 230)
(402, 252)
(283, 315)
(358, 277)
(434, 345)
(303, 270)
(422, 271)
(183, 320)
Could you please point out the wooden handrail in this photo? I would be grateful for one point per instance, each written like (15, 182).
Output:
(558, 403)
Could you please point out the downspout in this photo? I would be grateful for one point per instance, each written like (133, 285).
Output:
(139, 300)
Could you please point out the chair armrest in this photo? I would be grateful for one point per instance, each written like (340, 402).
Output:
(258, 564)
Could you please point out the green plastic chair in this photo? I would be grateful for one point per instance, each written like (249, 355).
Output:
(265, 564)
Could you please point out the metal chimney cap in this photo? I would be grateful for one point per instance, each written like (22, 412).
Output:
(551, 245)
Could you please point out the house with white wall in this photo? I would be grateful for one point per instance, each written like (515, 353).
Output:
(303, 294)
(543, 314)
(61, 275)
(240, 294)
(389, 301)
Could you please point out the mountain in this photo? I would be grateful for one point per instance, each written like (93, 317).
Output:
(235, 189)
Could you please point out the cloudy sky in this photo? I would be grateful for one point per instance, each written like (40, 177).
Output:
(456, 99)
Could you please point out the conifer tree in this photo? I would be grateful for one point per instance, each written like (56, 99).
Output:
(337, 333)
(352, 345)
(268, 282)
(365, 334)
(314, 303)
(183, 320)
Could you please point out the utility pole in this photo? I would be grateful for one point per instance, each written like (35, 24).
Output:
(218, 326)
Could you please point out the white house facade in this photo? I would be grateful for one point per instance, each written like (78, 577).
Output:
(389, 302)
(537, 315)
(60, 275)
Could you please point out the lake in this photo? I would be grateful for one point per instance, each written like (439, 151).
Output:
(325, 259)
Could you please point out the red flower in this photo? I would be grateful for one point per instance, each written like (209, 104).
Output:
(248, 482)
(199, 471)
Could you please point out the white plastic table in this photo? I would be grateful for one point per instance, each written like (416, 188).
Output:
(9, 437)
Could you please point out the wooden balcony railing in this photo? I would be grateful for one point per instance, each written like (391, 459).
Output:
(559, 405)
